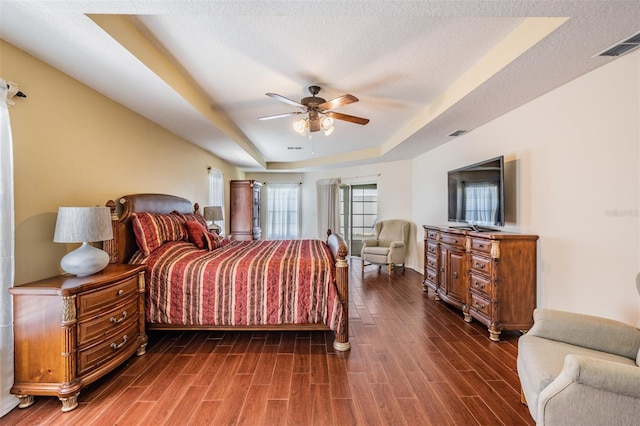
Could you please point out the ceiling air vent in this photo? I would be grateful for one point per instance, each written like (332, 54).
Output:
(458, 133)
(622, 47)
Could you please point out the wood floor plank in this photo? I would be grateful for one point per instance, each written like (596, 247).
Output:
(276, 412)
(204, 412)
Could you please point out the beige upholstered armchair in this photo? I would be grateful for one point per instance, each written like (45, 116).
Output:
(390, 245)
(578, 369)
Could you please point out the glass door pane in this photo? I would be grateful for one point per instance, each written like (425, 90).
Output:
(358, 213)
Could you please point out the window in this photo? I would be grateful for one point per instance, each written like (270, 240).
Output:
(216, 192)
(283, 211)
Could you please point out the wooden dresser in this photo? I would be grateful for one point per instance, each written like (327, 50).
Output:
(245, 209)
(70, 331)
(490, 275)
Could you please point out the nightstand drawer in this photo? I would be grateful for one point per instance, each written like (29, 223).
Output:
(99, 300)
(107, 323)
(97, 355)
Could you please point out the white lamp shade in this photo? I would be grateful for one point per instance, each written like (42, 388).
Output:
(213, 213)
(83, 225)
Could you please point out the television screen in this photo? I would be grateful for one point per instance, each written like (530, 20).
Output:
(476, 193)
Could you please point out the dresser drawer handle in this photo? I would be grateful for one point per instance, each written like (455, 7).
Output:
(115, 320)
(481, 245)
(479, 265)
(115, 346)
(120, 292)
(480, 305)
(455, 275)
(479, 285)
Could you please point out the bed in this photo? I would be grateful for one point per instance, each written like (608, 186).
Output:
(204, 282)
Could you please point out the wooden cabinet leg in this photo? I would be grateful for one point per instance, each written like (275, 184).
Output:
(69, 403)
(26, 400)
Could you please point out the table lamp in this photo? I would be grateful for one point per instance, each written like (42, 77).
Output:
(212, 214)
(83, 225)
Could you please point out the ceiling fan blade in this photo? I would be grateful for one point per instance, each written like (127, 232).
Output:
(286, 114)
(338, 102)
(286, 100)
(347, 117)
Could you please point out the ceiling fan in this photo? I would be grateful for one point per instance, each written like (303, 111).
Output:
(320, 111)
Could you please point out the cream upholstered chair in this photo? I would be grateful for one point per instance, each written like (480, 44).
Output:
(390, 245)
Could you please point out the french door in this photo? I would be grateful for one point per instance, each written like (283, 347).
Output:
(358, 213)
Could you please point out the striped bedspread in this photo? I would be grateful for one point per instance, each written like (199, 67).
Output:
(243, 283)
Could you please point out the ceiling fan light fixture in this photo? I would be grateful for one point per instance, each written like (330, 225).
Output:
(326, 124)
(300, 126)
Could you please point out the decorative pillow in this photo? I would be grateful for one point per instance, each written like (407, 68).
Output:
(152, 230)
(186, 217)
(197, 234)
(202, 238)
(224, 241)
(212, 240)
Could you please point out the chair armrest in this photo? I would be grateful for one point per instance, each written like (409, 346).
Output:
(607, 376)
(591, 391)
(395, 244)
(369, 243)
(587, 331)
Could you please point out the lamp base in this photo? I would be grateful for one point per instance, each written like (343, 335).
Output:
(85, 260)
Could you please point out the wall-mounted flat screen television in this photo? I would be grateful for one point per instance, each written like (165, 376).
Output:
(476, 193)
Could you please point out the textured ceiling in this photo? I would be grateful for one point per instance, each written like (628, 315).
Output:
(421, 69)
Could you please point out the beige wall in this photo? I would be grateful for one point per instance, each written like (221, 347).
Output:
(75, 147)
(574, 155)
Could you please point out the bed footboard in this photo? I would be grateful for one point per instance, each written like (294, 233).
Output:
(339, 249)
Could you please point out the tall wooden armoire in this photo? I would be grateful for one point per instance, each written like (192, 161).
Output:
(245, 210)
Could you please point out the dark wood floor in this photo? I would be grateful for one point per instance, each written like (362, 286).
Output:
(413, 361)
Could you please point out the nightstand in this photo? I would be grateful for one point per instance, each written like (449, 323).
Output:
(69, 331)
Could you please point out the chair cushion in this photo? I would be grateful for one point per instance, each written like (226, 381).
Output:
(378, 251)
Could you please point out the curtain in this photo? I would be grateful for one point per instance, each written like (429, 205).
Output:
(7, 269)
(328, 206)
(216, 193)
(283, 211)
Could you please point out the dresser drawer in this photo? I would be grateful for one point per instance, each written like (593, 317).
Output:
(452, 240)
(481, 285)
(481, 245)
(120, 317)
(106, 298)
(432, 234)
(481, 264)
(481, 306)
(432, 261)
(432, 248)
(101, 353)
(431, 275)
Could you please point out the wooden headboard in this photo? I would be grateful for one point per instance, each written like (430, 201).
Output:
(124, 245)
